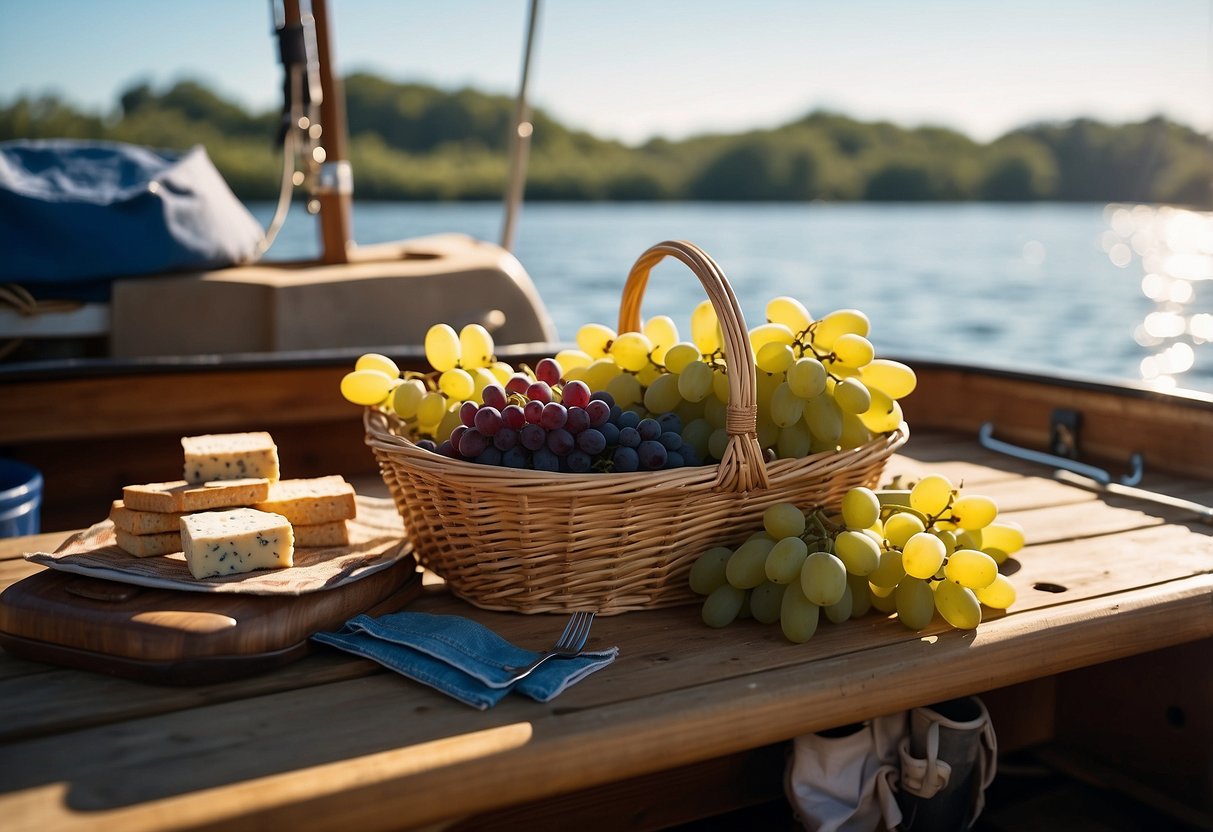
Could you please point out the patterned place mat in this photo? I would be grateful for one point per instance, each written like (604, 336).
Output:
(376, 542)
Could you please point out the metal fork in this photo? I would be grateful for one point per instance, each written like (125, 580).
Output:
(570, 644)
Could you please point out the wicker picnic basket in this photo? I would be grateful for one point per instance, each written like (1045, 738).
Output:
(535, 541)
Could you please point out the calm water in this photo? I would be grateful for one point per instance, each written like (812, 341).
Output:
(1077, 289)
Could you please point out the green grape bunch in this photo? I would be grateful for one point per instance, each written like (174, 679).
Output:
(915, 552)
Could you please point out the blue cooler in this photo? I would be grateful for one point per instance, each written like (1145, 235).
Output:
(20, 498)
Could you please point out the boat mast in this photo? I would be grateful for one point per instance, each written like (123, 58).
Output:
(520, 138)
(335, 186)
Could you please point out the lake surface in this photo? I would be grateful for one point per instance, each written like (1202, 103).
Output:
(1103, 291)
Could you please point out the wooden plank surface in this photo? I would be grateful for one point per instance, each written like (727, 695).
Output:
(335, 742)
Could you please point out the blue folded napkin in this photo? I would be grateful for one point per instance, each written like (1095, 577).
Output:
(459, 657)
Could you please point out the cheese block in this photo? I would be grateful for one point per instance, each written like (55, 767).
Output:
(230, 456)
(235, 541)
(144, 522)
(336, 533)
(310, 501)
(148, 545)
(181, 496)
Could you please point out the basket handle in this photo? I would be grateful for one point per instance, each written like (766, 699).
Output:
(742, 468)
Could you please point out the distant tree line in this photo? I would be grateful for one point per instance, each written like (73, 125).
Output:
(417, 142)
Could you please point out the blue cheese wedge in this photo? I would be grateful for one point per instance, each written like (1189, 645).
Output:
(230, 456)
(235, 541)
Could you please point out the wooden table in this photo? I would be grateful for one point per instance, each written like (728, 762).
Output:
(686, 721)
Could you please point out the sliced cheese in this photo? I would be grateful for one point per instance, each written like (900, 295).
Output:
(144, 522)
(240, 540)
(180, 496)
(148, 545)
(310, 501)
(336, 533)
(230, 456)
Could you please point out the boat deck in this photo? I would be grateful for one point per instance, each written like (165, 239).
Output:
(686, 723)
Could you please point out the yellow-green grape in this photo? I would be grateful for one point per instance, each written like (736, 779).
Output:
(595, 340)
(931, 495)
(893, 378)
(785, 560)
(430, 411)
(853, 351)
(884, 416)
(747, 567)
(407, 396)
(766, 600)
(807, 378)
(861, 600)
(705, 328)
(723, 605)
(571, 360)
(475, 347)
(782, 520)
(768, 431)
(889, 572)
(599, 374)
(947, 538)
(680, 355)
(882, 598)
(852, 396)
(375, 361)
(663, 394)
(450, 420)
(900, 527)
(798, 615)
(366, 387)
(789, 312)
(971, 568)
(792, 442)
(857, 551)
(786, 408)
(662, 333)
(958, 605)
(915, 603)
(442, 347)
(717, 443)
(625, 389)
(720, 385)
(922, 555)
(694, 383)
(836, 324)
(482, 377)
(843, 608)
(854, 432)
(860, 508)
(774, 358)
(823, 578)
(503, 372)
(707, 572)
(649, 373)
(765, 334)
(715, 411)
(457, 384)
(631, 350)
(824, 419)
(973, 511)
(999, 595)
(1001, 539)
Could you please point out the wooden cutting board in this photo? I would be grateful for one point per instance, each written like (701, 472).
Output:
(174, 637)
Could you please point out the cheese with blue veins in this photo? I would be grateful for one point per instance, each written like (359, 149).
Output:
(236, 541)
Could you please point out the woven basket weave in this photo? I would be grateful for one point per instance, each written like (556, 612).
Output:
(535, 541)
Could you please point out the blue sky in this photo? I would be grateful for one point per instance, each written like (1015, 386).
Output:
(631, 70)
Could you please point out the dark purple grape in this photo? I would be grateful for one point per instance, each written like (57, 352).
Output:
(490, 456)
(515, 457)
(578, 462)
(513, 416)
(616, 412)
(674, 460)
(625, 460)
(652, 454)
(545, 460)
(467, 413)
(505, 438)
(577, 421)
(427, 445)
(446, 449)
(628, 419)
(554, 416)
(670, 422)
(548, 371)
(610, 432)
(629, 437)
(560, 441)
(459, 431)
(532, 411)
(605, 397)
(494, 396)
(671, 440)
(648, 429)
(575, 394)
(472, 443)
(488, 420)
(518, 383)
(532, 437)
(539, 391)
(591, 441)
(689, 455)
(598, 411)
